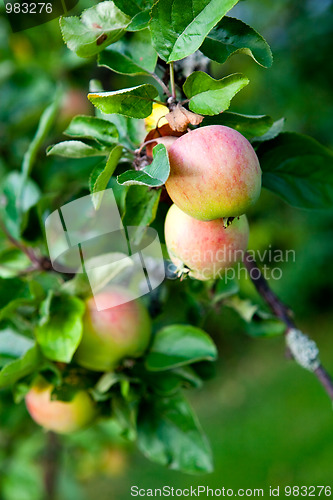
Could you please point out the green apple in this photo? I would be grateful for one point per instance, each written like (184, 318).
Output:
(59, 416)
(122, 330)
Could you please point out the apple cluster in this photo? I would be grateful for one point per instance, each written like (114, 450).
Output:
(215, 177)
(121, 331)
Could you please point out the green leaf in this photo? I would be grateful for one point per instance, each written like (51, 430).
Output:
(265, 325)
(140, 21)
(133, 7)
(244, 307)
(225, 289)
(136, 102)
(179, 27)
(131, 130)
(298, 169)
(101, 176)
(20, 368)
(232, 36)
(98, 27)
(169, 382)
(12, 344)
(90, 127)
(178, 345)
(248, 125)
(12, 214)
(141, 208)
(170, 435)
(13, 293)
(45, 124)
(209, 96)
(60, 329)
(125, 415)
(74, 149)
(272, 132)
(132, 56)
(153, 175)
(12, 262)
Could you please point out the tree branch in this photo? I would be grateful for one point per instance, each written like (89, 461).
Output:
(282, 312)
(51, 465)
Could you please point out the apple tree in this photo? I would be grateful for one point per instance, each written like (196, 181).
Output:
(179, 161)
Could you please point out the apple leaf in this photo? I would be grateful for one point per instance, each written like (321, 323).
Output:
(14, 371)
(60, 328)
(134, 7)
(298, 169)
(224, 289)
(136, 102)
(169, 382)
(232, 36)
(178, 345)
(101, 175)
(12, 262)
(208, 96)
(90, 127)
(272, 132)
(179, 27)
(133, 55)
(12, 344)
(153, 175)
(170, 434)
(11, 291)
(139, 10)
(140, 21)
(74, 149)
(141, 209)
(265, 325)
(248, 125)
(98, 27)
(244, 307)
(11, 213)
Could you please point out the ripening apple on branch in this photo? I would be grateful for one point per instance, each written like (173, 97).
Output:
(59, 416)
(121, 330)
(214, 173)
(204, 249)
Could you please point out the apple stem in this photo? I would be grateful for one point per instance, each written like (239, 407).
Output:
(144, 144)
(172, 81)
(305, 351)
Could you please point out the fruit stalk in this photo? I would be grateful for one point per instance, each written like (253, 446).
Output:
(282, 312)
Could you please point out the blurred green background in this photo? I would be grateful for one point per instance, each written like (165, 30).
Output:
(268, 420)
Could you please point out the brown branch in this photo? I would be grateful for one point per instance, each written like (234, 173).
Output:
(282, 312)
(51, 465)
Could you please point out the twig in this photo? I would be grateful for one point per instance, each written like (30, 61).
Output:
(282, 312)
(51, 465)
(162, 84)
(172, 81)
(158, 102)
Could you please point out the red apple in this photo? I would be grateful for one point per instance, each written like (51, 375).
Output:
(214, 173)
(59, 416)
(110, 335)
(206, 248)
